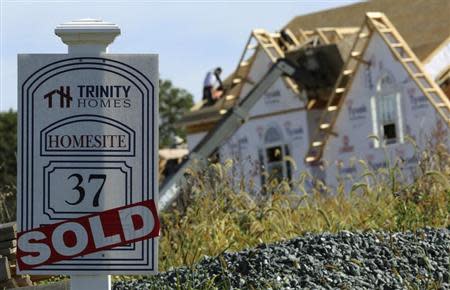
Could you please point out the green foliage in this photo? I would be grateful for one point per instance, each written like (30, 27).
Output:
(8, 145)
(173, 103)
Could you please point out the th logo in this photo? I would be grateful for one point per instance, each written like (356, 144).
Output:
(64, 97)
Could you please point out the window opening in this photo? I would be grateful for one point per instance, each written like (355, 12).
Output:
(386, 112)
(275, 152)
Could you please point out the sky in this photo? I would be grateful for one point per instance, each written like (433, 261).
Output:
(191, 37)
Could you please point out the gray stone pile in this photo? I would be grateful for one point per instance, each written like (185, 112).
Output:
(346, 260)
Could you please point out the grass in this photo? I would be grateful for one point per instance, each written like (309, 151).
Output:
(219, 216)
(216, 214)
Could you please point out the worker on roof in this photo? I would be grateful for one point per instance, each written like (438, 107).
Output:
(212, 86)
(285, 40)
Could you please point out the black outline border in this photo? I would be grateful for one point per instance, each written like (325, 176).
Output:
(94, 118)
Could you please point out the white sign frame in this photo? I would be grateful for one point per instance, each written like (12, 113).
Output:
(39, 73)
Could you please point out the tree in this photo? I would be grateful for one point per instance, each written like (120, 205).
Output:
(8, 147)
(173, 103)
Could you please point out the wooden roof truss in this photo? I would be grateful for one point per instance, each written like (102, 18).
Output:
(325, 35)
(374, 22)
(275, 46)
(270, 43)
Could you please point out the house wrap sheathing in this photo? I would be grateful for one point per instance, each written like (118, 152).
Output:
(284, 129)
(384, 107)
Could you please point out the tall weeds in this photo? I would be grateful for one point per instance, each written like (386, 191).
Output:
(216, 215)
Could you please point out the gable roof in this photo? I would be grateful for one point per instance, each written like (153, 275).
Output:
(203, 118)
(424, 24)
(375, 22)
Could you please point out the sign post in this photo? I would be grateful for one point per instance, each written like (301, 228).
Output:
(87, 157)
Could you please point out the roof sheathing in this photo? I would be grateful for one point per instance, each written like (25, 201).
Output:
(375, 22)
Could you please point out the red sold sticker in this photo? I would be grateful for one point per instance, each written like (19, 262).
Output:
(88, 234)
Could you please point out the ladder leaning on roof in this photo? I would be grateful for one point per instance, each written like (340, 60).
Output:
(234, 118)
(374, 22)
(334, 103)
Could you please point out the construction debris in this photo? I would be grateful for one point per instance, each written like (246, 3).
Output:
(8, 246)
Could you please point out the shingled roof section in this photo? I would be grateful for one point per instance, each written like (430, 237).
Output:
(424, 24)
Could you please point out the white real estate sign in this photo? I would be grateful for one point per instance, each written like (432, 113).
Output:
(87, 144)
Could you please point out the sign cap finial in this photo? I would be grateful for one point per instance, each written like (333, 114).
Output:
(87, 36)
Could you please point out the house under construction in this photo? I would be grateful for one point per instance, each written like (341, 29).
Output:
(378, 68)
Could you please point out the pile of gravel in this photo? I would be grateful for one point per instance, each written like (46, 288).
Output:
(346, 260)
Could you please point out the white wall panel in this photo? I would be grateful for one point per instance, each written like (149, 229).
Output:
(244, 145)
(354, 124)
(439, 61)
